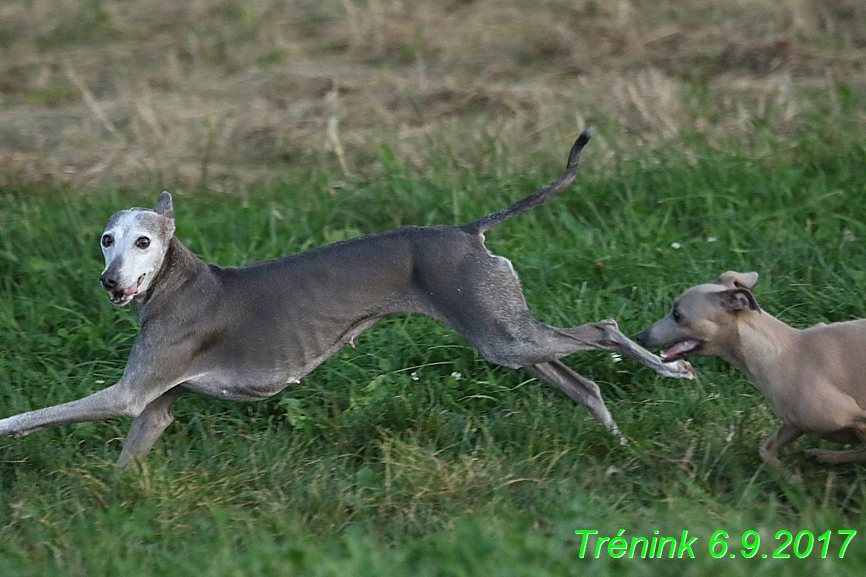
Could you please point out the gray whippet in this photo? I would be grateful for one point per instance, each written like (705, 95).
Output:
(814, 379)
(245, 333)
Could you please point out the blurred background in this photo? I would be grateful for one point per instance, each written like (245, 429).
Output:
(224, 94)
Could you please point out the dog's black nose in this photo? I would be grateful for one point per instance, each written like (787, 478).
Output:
(108, 282)
(642, 337)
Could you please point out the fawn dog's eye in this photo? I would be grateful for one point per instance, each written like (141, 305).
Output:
(142, 242)
(676, 315)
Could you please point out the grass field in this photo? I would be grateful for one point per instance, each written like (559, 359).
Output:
(410, 455)
(730, 137)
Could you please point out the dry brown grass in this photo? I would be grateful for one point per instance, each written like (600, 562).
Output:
(224, 93)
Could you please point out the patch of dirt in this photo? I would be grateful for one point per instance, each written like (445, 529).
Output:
(227, 93)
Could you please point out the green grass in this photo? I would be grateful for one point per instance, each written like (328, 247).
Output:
(409, 454)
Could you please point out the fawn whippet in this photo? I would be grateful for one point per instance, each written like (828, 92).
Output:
(245, 333)
(814, 379)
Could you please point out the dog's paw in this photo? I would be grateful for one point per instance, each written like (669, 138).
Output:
(821, 456)
(679, 370)
(774, 463)
(812, 454)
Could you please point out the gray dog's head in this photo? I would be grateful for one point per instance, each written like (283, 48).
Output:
(134, 244)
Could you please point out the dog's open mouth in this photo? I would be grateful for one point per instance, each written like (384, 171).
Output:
(680, 350)
(120, 298)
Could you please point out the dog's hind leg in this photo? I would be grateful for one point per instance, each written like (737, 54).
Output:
(148, 426)
(483, 301)
(525, 341)
(506, 333)
(579, 388)
(605, 335)
(830, 457)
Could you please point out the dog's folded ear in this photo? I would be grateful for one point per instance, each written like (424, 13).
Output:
(733, 279)
(737, 299)
(164, 205)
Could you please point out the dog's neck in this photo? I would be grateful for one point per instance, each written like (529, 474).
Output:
(763, 345)
(178, 266)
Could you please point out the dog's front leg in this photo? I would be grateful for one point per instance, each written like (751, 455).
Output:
(770, 447)
(147, 427)
(114, 401)
(110, 402)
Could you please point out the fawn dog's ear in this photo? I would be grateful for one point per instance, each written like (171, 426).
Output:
(737, 299)
(733, 279)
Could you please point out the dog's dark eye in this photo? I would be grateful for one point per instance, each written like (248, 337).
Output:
(676, 315)
(142, 242)
(107, 240)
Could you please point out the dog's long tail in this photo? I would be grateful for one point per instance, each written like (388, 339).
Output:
(485, 223)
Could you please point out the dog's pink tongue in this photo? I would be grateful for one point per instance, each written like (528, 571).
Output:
(679, 348)
(133, 290)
